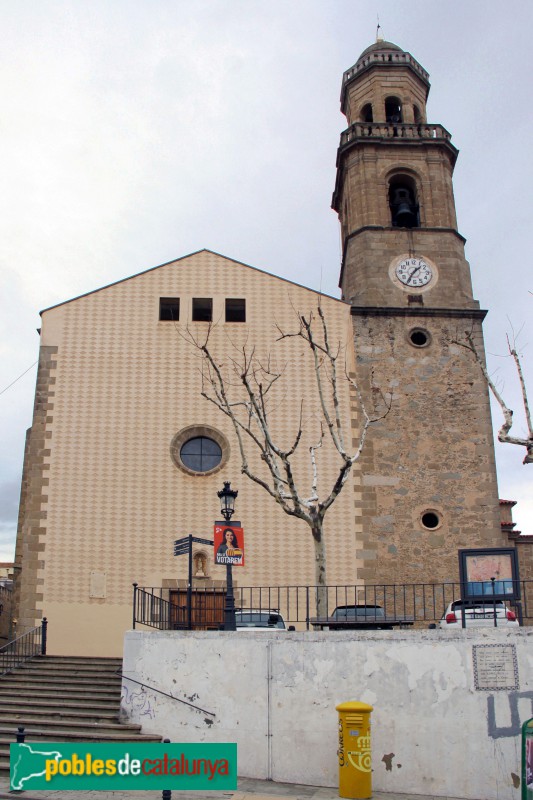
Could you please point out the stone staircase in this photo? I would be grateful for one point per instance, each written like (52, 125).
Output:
(64, 699)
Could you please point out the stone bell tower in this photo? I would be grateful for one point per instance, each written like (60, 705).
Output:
(428, 473)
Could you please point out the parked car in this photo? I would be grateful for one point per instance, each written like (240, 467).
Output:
(255, 619)
(478, 615)
(360, 616)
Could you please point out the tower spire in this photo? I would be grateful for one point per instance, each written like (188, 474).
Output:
(379, 37)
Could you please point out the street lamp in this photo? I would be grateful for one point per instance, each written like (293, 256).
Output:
(227, 497)
(227, 500)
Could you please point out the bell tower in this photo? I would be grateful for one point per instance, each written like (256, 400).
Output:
(428, 473)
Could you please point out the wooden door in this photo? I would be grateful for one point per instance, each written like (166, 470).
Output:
(207, 609)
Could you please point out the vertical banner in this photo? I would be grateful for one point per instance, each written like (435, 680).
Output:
(229, 544)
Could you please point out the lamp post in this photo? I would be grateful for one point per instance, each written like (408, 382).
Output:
(227, 497)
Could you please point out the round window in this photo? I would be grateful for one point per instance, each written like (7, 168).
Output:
(419, 337)
(199, 450)
(201, 454)
(430, 520)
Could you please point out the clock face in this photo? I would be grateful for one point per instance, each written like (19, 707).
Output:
(413, 271)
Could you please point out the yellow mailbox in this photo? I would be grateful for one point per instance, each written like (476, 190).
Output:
(355, 757)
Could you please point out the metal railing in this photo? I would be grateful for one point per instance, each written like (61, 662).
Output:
(151, 607)
(304, 607)
(26, 646)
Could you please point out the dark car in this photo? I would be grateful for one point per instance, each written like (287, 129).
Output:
(352, 617)
(358, 613)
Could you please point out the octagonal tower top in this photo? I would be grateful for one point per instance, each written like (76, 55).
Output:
(381, 69)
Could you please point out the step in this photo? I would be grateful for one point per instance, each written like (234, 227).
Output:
(45, 724)
(56, 694)
(43, 664)
(10, 705)
(70, 666)
(18, 680)
(96, 676)
(11, 680)
(78, 659)
(53, 714)
(64, 699)
(63, 734)
(99, 666)
(75, 660)
(73, 669)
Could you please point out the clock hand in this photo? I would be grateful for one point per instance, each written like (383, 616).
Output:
(417, 269)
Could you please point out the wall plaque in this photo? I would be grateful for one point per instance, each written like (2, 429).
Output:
(97, 585)
(495, 667)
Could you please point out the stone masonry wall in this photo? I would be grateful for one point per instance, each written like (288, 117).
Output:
(432, 452)
(378, 84)
(29, 554)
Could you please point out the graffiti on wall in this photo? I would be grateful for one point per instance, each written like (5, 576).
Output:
(514, 729)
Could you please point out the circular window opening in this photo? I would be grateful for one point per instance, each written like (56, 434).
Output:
(419, 337)
(201, 454)
(199, 450)
(430, 520)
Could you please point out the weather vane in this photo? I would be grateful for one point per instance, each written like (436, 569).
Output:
(379, 37)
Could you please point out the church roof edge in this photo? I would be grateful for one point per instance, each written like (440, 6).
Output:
(182, 258)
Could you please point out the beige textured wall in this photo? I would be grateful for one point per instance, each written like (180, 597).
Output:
(124, 385)
(88, 628)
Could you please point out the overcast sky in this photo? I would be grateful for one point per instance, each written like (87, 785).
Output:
(134, 132)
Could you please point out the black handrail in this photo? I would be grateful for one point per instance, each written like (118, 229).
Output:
(26, 646)
(145, 685)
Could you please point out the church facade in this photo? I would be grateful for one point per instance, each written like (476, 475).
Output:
(125, 456)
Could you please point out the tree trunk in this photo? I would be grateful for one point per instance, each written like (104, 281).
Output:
(320, 569)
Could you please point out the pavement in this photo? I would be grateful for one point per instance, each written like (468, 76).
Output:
(247, 789)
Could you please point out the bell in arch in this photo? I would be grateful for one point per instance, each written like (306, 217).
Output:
(404, 210)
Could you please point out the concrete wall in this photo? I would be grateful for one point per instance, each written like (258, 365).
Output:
(433, 731)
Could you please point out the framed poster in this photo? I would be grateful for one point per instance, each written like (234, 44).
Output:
(490, 573)
(229, 544)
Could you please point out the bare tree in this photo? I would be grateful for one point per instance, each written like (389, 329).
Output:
(504, 434)
(244, 393)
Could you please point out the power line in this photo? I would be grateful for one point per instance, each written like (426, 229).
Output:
(18, 379)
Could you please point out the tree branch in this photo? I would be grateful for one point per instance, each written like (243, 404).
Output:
(248, 402)
(504, 434)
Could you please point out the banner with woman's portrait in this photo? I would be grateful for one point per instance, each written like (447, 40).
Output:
(229, 544)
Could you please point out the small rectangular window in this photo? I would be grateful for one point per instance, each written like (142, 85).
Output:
(235, 310)
(169, 309)
(202, 309)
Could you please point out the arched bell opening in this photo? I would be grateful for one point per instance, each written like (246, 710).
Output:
(393, 109)
(417, 115)
(403, 202)
(367, 113)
